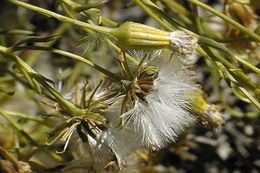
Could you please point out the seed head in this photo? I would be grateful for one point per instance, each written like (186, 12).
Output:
(155, 101)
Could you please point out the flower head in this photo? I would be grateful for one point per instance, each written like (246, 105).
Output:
(132, 35)
(153, 107)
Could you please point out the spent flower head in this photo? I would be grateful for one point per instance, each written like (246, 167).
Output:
(152, 105)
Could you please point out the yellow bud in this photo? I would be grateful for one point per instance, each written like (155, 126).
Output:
(196, 102)
(132, 35)
(209, 114)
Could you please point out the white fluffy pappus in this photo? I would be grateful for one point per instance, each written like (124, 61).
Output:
(99, 152)
(110, 145)
(152, 122)
(122, 141)
(162, 115)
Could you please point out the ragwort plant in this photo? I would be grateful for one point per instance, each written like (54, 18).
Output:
(144, 102)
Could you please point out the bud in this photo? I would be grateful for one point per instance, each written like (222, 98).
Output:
(132, 35)
(209, 114)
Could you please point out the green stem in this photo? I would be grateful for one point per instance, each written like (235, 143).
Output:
(73, 110)
(88, 62)
(212, 43)
(248, 65)
(15, 32)
(75, 5)
(153, 15)
(59, 31)
(19, 129)
(67, 105)
(163, 15)
(250, 97)
(3, 49)
(113, 76)
(233, 70)
(119, 50)
(243, 29)
(62, 18)
(23, 116)
(175, 5)
(197, 19)
(238, 78)
(23, 67)
(238, 114)
(204, 54)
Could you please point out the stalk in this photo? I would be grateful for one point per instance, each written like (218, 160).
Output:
(101, 29)
(243, 29)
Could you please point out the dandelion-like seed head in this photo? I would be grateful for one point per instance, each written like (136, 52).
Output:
(152, 104)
